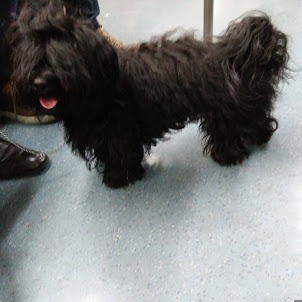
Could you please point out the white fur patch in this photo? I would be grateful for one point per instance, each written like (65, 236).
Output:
(153, 161)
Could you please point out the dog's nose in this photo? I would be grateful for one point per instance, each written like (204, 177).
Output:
(40, 86)
(46, 84)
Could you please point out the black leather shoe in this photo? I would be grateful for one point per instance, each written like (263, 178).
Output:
(17, 163)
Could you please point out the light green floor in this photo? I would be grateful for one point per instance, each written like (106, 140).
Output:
(191, 231)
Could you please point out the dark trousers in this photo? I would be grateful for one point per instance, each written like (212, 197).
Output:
(8, 10)
(90, 9)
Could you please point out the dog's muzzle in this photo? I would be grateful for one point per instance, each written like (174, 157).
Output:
(45, 86)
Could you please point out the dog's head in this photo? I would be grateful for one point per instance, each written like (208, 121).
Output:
(59, 62)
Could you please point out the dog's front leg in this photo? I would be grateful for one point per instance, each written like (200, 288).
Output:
(123, 161)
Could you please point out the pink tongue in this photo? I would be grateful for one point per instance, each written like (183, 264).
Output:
(48, 103)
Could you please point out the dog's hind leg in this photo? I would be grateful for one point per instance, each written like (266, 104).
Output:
(224, 140)
(228, 137)
(254, 61)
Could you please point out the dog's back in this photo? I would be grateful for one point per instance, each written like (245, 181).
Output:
(174, 81)
(165, 80)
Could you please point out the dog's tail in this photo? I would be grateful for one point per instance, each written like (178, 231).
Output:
(254, 57)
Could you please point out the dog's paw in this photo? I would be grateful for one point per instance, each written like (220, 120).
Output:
(230, 158)
(123, 178)
(115, 182)
(263, 138)
(135, 174)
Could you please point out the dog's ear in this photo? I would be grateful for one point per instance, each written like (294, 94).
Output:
(25, 53)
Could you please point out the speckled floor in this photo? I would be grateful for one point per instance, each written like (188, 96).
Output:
(191, 231)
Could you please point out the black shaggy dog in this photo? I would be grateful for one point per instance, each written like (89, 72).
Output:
(117, 103)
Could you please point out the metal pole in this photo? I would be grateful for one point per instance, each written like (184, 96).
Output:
(208, 20)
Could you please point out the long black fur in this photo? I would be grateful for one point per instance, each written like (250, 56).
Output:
(117, 103)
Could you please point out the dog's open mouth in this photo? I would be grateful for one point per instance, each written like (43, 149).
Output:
(48, 103)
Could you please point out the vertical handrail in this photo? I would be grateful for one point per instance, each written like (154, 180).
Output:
(208, 20)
